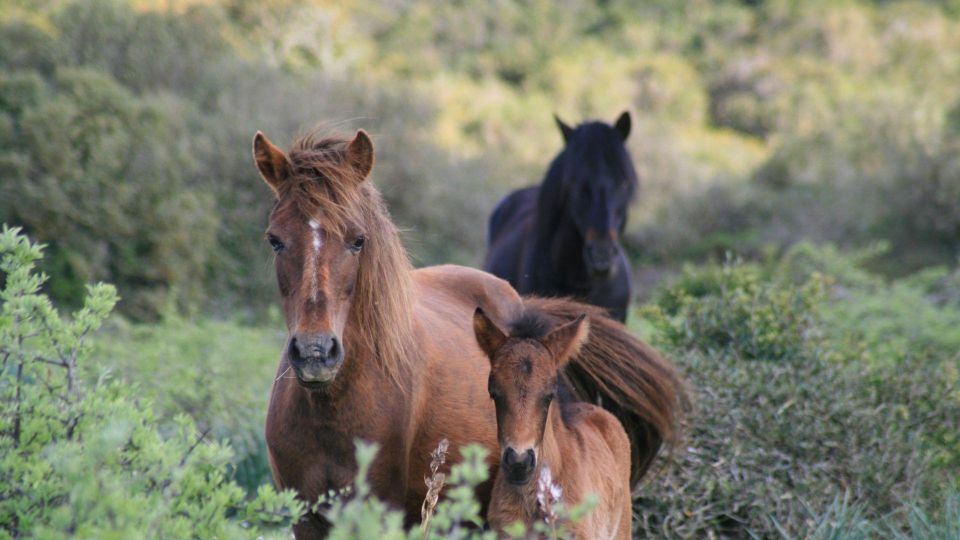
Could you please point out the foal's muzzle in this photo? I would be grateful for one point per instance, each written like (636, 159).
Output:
(518, 468)
(315, 358)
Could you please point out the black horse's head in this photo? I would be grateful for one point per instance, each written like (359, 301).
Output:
(598, 182)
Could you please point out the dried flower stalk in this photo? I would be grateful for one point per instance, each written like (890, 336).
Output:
(434, 484)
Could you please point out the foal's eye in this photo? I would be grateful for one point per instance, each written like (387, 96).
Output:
(357, 244)
(275, 243)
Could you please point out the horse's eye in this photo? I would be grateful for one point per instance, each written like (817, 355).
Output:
(357, 244)
(275, 243)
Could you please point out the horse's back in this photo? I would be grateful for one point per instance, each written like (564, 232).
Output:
(511, 223)
(451, 289)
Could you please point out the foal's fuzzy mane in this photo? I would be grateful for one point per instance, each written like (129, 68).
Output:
(530, 323)
(324, 186)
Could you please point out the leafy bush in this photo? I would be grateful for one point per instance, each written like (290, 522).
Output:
(355, 512)
(805, 399)
(736, 308)
(84, 157)
(92, 460)
(217, 372)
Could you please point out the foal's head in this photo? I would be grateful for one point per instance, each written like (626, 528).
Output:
(338, 258)
(524, 370)
(599, 182)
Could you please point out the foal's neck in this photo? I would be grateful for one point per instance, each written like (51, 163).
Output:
(550, 447)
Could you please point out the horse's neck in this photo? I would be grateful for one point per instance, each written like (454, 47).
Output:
(557, 244)
(557, 256)
(360, 383)
(553, 434)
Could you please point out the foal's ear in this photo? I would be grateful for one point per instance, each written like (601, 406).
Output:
(489, 335)
(272, 163)
(360, 154)
(565, 341)
(623, 125)
(564, 128)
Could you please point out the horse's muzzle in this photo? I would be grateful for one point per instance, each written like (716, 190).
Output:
(315, 358)
(518, 468)
(600, 257)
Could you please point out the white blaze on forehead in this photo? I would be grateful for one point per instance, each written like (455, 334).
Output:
(315, 227)
(311, 266)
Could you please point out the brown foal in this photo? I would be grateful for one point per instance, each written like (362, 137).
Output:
(585, 447)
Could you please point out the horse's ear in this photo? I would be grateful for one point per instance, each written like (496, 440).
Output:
(622, 125)
(564, 128)
(360, 154)
(489, 335)
(272, 163)
(565, 341)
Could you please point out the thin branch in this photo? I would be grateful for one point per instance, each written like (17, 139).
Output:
(190, 450)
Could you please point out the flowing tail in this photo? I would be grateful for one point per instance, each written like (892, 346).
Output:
(626, 377)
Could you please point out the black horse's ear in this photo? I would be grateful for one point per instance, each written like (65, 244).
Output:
(489, 336)
(564, 128)
(623, 125)
(272, 163)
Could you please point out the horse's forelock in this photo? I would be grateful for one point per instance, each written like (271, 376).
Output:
(597, 139)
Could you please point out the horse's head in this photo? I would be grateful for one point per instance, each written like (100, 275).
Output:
(599, 182)
(325, 218)
(524, 370)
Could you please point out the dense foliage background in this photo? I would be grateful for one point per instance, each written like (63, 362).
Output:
(794, 242)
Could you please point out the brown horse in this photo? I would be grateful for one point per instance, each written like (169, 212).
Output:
(382, 352)
(583, 446)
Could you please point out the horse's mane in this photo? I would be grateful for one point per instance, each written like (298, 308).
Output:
(530, 323)
(325, 187)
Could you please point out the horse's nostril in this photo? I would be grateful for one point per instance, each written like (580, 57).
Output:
(528, 459)
(333, 350)
(295, 353)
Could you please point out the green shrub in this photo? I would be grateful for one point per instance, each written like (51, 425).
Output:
(218, 373)
(354, 512)
(92, 460)
(736, 308)
(851, 430)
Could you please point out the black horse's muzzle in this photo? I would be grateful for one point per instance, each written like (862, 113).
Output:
(600, 257)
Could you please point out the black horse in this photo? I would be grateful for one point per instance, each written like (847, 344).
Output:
(561, 238)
